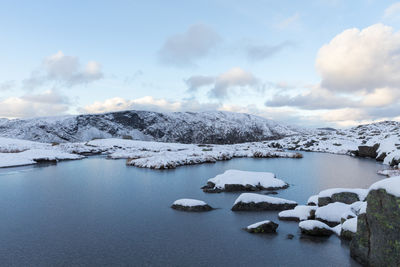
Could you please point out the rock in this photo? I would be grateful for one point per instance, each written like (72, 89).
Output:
(299, 213)
(290, 236)
(368, 151)
(257, 202)
(263, 227)
(348, 229)
(191, 205)
(377, 241)
(344, 197)
(315, 228)
(236, 180)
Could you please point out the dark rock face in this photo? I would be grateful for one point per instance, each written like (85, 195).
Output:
(210, 188)
(377, 241)
(347, 235)
(316, 231)
(192, 208)
(265, 228)
(182, 127)
(259, 206)
(344, 197)
(368, 151)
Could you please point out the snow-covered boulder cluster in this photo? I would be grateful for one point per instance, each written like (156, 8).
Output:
(236, 180)
(377, 140)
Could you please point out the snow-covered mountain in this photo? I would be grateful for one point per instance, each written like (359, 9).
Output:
(184, 127)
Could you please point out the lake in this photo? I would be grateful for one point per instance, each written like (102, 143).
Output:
(100, 212)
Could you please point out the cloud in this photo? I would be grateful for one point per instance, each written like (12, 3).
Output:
(197, 81)
(64, 70)
(31, 105)
(361, 60)
(286, 23)
(186, 48)
(7, 85)
(260, 52)
(147, 103)
(392, 11)
(223, 84)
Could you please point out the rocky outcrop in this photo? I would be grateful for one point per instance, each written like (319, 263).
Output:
(377, 240)
(210, 188)
(368, 151)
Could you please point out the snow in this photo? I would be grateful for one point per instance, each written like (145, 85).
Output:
(389, 172)
(311, 224)
(257, 198)
(363, 208)
(357, 206)
(187, 202)
(391, 185)
(31, 156)
(145, 154)
(337, 229)
(333, 212)
(302, 212)
(362, 193)
(313, 200)
(255, 225)
(350, 225)
(264, 179)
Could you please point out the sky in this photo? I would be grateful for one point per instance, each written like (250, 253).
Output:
(313, 63)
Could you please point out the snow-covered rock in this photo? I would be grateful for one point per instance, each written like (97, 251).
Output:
(333, 213)
(299, 213)
(313, 200)
(257, 202)
(315, 228)
(263, 227)
(187, 204)
(236, 180)
(390, 185)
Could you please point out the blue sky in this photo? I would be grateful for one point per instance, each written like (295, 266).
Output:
(260, 57)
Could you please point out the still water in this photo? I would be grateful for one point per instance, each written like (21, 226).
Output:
(100, 212)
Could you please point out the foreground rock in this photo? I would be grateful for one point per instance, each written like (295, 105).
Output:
(235, 180)
(194, 205)
(299, 213)
(257, 202)
(377, 240)
(263, 227)
(315, 228)
(344, 195)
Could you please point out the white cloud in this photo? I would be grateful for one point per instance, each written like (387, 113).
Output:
(147, 103)
(7, 85)
(223, 85)
(64, 70)
(31, 105)
(361, 60)
(186, 48)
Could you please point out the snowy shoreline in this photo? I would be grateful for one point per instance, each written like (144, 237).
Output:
(144, 154)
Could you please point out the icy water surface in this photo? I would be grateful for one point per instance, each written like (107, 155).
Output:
(100, 212)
